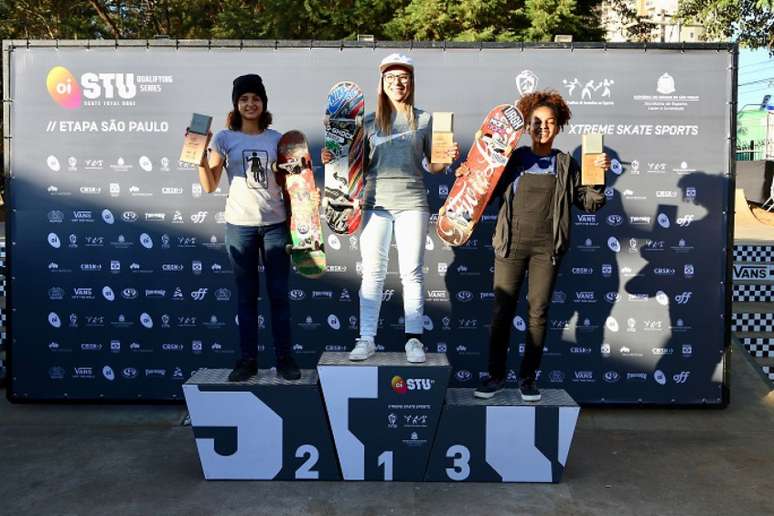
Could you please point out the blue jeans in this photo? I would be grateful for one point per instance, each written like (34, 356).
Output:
(244, 245)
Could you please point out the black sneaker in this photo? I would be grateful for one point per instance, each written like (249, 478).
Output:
(489, 388)
(243, 370)
(288, 369)
(529, 391)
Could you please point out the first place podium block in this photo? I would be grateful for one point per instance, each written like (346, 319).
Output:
(383, 412)
(503, 439)
(262, 429)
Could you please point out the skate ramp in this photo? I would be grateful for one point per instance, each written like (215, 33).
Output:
(746, 227)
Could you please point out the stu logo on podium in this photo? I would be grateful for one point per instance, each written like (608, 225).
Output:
(401, 386)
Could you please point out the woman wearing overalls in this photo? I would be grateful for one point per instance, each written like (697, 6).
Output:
(536, 192)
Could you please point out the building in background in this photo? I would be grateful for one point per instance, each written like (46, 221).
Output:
(655, 18)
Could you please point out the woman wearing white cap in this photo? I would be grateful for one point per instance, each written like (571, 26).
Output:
(398, 139)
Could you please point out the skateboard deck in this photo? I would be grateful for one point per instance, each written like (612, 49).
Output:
(293, 161)
(492, 146)
(344, 174)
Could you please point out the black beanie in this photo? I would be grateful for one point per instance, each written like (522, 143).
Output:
(250, 83)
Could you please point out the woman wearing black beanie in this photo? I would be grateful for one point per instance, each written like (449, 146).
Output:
(256, 221)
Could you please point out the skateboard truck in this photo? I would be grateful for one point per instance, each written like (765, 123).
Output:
(317, 246)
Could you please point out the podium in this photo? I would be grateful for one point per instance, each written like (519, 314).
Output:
(379, 419)
(503, 439)
(262, 429)
(383, 412)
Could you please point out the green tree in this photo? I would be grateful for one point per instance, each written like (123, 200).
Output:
(634, 27)
(464, 20)
(47, 19)
(550, 17)
(749, 22)
(495, 20)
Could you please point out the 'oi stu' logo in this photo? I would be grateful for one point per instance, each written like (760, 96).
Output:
(399, 385)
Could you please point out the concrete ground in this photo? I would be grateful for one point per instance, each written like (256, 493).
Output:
(116, 460)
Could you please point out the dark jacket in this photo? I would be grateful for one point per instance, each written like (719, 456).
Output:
(568, 191)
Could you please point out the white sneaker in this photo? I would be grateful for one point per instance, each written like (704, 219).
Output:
(415, 351)
(363, 350)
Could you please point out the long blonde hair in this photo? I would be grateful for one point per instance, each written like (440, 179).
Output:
(383, 116)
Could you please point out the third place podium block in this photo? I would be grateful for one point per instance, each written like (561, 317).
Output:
(503, 439)
(262, 429)
(383, 412)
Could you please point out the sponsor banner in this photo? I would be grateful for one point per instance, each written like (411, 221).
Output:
(136, 290)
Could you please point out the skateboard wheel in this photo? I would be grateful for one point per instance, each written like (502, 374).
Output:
(288, 248)
(274, 167)
(478, 135)
(508, 149)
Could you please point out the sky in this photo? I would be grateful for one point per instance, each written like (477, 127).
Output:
(756, 76)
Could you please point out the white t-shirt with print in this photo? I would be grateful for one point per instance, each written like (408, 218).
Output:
(254, 197)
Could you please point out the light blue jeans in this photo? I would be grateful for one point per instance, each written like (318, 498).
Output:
(410, 228)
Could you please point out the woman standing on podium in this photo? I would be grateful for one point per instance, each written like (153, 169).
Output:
(256, 222)
(398, 143)
(536, 191)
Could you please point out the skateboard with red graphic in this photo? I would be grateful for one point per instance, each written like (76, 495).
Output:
(307, 251)
(492, 146)
(344, 173)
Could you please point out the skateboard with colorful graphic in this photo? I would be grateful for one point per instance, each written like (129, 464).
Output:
(344, 173)
(307, 251)
(492, 146)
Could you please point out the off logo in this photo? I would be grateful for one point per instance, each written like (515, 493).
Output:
(63, 88)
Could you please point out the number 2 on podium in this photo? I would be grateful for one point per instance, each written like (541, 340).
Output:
(305, 470)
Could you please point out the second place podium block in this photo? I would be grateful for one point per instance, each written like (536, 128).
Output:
(383, 412)
(263, 429)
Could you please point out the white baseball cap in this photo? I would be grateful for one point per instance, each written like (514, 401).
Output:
(396, 60)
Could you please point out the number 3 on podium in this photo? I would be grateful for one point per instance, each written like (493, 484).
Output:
(461, 462)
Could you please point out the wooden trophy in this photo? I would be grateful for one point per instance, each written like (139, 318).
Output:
(195, 143)
(592, 148)
(443, 137)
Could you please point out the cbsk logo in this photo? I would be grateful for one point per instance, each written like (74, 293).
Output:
(401, 386)
(65, 89)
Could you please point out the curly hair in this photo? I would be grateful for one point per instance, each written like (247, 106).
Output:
(548, 98)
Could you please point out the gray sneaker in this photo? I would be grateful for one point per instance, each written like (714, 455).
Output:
(415, 351)
(363, 350)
